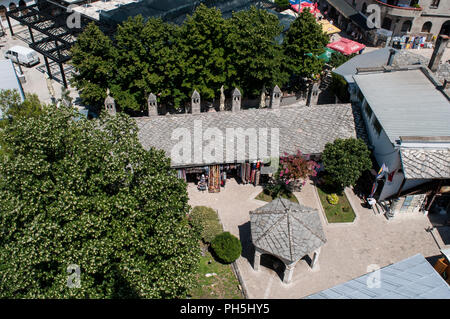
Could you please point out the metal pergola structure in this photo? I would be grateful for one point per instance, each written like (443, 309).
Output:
(50, 19)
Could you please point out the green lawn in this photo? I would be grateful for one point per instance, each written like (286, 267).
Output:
(267, 198)
(336, 213)
(223, 286)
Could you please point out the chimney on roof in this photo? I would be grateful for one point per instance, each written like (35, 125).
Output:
(152, 105)
(438, 52)
(195, 103)
(110, 104)
(236, 103)
(276, 98)
(391, 57)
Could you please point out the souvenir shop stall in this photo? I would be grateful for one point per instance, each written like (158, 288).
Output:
(412, 42)
(213, 177)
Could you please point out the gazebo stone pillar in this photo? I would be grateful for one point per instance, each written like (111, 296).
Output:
(315, 259)
(289, 272)
(257, 259)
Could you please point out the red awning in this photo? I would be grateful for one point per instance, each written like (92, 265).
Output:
(346, 46)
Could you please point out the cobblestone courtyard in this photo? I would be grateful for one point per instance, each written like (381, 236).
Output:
(349, 251)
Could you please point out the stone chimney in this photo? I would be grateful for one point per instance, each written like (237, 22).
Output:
(391, 57)
(152, 104)
(438, 52)
(276, 98)
(195, 103)
(236, 103)
(110, 104)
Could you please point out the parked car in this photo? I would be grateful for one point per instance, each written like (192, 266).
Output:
(22, 55)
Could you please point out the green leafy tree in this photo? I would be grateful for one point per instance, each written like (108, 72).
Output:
(337, 59)
(86, 193)
(304, 36)
(254, 53)
(13, 109)
(147, 62)
(283, 4)
(202, 50)
(93, 58)
(345, 160)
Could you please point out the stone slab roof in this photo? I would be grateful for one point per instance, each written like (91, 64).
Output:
(412, 278)
(300, 128)
(287, 230)
(380, 57)
(425, 163)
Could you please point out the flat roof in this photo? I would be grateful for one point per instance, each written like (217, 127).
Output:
(406, 103)
(411, 278)
(8, 79)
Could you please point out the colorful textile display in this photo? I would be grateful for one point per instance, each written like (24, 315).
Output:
(214, 179)
(181, 173)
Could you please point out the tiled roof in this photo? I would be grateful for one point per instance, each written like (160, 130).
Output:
(412, 278)
(300, 128)
(286, 229)
(425, 163)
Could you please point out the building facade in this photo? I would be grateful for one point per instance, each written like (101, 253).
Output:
(428, 18)
(404, 17)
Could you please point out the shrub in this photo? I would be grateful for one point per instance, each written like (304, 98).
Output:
(206, 218)
(333, 199)
(227, 247)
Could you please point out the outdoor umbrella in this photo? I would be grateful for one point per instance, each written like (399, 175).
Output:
(346, 46)
(328, 28)
(326, 56)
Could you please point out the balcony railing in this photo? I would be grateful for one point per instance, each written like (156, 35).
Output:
(407, 12)
(398, 7)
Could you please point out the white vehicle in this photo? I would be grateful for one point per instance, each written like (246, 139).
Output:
(22, 55)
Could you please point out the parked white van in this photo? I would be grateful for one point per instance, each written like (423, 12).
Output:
(22, 55)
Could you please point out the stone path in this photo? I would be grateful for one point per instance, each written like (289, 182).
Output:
(349, 251)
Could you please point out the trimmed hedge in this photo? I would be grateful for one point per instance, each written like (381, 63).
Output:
(209, 222)
(227, 247)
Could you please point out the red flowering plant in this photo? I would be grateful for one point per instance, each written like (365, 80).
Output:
(296, 167)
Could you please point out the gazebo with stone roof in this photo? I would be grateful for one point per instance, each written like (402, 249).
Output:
(288, 231)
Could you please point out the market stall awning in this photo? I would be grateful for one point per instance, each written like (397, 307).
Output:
(326, 56)
(346, 46)
(300, 5)
(328, 28)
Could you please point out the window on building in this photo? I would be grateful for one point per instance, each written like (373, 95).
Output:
(377, 126)
(387, 23)
(406, 26)
(427, 27)
(368, 110)
(435, 3)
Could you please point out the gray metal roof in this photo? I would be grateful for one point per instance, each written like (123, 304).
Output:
(406, 103)
(426, 163)
(287, 230)
(8, 79)
(300, 128)
(411, 278)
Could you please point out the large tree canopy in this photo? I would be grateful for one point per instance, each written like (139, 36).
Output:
(93, 56)
(345, 160)
(74, 191)
(304, 36)
(204, 53)
(256, 56)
